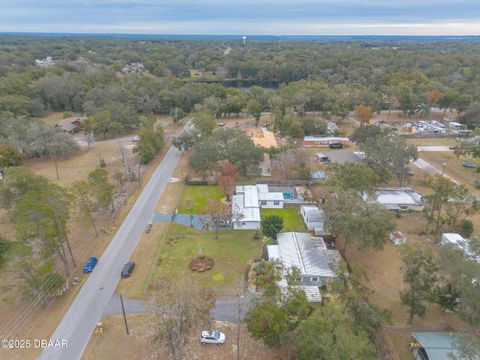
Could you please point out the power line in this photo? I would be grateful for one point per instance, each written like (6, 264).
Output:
(26, 316)
(28, 309)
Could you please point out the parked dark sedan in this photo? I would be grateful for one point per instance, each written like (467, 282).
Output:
(335, 146)
(127, 269)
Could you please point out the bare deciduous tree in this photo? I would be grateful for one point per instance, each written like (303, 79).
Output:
(218, 214)
(177, 310)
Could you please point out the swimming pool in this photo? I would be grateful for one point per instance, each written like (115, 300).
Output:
(288, 196)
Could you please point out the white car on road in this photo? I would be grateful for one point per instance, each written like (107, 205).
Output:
(215, 337)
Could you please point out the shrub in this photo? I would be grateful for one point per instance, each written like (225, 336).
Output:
(5, 245)
(465, 228)
(447, 297)
(218, 277)
(272, 225)
(477, 184)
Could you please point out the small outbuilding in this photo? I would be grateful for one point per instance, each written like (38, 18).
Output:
(398, 238)
(318, 175)
(314, 219)
(433, 346)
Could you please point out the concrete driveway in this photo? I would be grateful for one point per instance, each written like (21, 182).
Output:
(92, 300)
(430, 169)
(343, 156)
(441, 148)
(226, 309)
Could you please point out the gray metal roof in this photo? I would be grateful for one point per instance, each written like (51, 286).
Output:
(394, 197)
(309, 255)
(438, 345)
(312, 213)
(242, 213)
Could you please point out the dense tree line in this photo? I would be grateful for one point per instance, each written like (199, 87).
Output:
(332, 78)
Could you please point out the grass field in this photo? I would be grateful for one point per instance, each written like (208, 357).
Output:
(454, 168)
(431, 141)
(231, 253)
(292, 220)
(195, 198)
(52, 118)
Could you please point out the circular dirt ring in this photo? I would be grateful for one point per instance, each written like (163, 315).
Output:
(201, 264)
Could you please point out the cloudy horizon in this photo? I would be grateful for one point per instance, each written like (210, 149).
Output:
(262, 17)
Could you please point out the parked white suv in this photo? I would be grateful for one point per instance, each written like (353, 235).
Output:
(215, 337)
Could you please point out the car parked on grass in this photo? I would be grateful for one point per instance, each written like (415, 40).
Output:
(215, 337)
(127, 269)
(136, 138)
(469, 164)
(90, 264)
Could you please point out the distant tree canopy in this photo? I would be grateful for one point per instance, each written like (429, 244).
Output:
(386, 154)
(94, 76)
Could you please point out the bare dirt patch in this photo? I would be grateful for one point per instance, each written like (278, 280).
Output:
(201, 264)
(385, 271)
(80, 165)
(52, 118)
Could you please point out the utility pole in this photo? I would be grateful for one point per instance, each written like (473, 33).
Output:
(238, 328)
(240, 297)
(139, 176)
(444, 167)
(124, 316)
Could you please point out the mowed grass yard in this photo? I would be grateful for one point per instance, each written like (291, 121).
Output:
(231, 253)
(454, 168)
(292, 220)
(195, 198)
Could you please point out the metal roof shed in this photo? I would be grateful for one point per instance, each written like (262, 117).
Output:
(434, 346)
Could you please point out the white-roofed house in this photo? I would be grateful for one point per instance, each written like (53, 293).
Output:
(398, 199)
(460, 242)
(310, 256)
(269, 200)
(246, 208)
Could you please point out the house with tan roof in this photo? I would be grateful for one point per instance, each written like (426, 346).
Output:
(262, 137)
(71, 125)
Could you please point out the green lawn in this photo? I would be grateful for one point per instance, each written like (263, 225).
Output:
(195, 198)
(231, 253)
(292, 220)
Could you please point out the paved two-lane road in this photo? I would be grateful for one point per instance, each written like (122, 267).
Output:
(86, 310)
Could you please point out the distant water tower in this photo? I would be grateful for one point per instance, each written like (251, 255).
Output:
(244, 39)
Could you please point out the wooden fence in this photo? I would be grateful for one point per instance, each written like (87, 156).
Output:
(390, 349)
